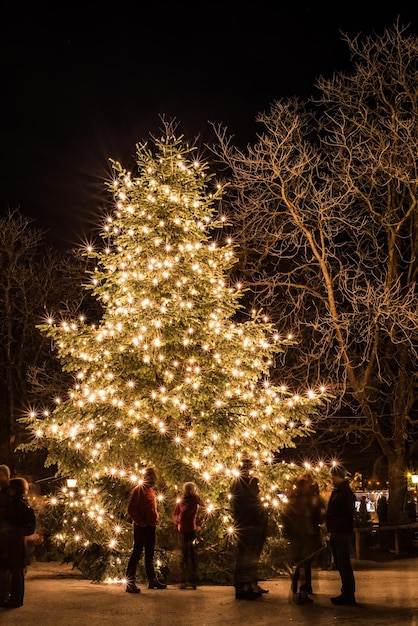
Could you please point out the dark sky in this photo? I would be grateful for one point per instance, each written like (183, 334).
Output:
(82, 83)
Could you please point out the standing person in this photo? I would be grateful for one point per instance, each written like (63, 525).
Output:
(411, 509)
(339, 520)
(363, 519)
(22, 522)
(363, 514)
(4, 499)
(185, 515)
(142, 508)
(382, 516)
(250, 519)
(382, 510)
(302, 518)
(411, 515)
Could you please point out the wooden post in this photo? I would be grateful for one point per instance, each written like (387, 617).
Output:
(397, 542)
(358, 542)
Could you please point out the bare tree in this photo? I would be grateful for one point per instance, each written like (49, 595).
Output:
(324, 206)
(35, 279)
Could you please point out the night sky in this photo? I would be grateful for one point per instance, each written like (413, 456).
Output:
(82, 83)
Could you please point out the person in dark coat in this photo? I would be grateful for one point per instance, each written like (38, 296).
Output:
(21, 521)
(382, 516)
(142, 508)
(339, 521)
(302, 518)
(185, 516)
(364, 516)
(250, 521)
(411, 509)
(382, 510)
(4, 499)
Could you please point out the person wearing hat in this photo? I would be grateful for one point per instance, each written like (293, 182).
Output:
(250, 521)
(142, 508)
(339, 521)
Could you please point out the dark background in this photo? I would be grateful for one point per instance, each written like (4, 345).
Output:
(82, 83)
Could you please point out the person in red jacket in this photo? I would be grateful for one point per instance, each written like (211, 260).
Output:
(142, 508)
(21, 521)
(185, 515)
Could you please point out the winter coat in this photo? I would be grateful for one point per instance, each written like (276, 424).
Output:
(301, 519)
(382, 511)
(142, 506)
(4, 499)
(411, 511)
(185, 513)
(340, 511)
(21, 521)
(247, 508)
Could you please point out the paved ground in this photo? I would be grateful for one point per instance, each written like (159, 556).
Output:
(58, 596)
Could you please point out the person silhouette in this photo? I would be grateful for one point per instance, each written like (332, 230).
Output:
(339, 519)
(185, 516)
(21, 520)
(142, 508)
(302, 518)
(250, 520)
(4, 499)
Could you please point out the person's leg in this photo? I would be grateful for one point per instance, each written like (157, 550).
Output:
(346, 570)
(341, 551)
(302, 578)
(135, 557)
(306, 585)
(188, 560)
(4, 585)
(246, 569)
(239, 561)
(333, 547)
(149, 545)
(17, 589)
(253, 544)
(295, 580)
(192, 559)
(261, 540)
(262, 533)
(184, 557)
(241, 578)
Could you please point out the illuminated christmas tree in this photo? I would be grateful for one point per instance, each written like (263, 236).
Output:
(175, 375)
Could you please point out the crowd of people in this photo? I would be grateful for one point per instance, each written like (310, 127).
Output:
(310, 524)
(304, 517)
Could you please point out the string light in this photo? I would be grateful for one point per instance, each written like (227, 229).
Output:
(167, 373)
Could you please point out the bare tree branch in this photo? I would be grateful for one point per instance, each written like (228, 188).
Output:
(324, 208)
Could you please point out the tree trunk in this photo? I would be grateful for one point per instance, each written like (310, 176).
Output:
(397, 489)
